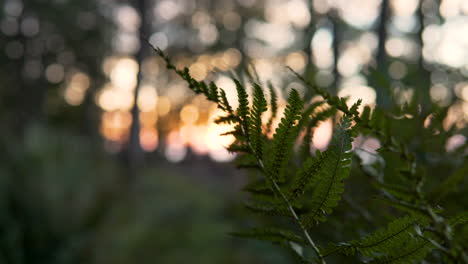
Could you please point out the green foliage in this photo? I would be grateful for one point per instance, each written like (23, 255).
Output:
(258, 108)
(298, 191)
(335, 164)
(383, 241)
(284, 137)
(273, 105)
(411, 251)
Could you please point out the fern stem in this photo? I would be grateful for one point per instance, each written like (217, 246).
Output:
(288, 204)
(437, 245)
(304, 230)
(295, 216)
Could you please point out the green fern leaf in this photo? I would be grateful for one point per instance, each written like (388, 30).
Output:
(246, 161)
(307, 114)
(459, 219)
(229, 119)
(335, 167)
(284, 137)
(386, 240)
(238, 147)
(412, 251)
(260, 186)
(243, 109)
(274, 107)
(305, 177)
(224, 103)
(258, 108)
(410, 208)
(398, 191)
(366, 114)
(213, 94)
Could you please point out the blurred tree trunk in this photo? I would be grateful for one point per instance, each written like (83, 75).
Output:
(135, 153)
(382, 35)
(335, 20)
(30, 92)
(425, 81)
(383, 93)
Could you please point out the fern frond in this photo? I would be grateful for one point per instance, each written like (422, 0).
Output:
(459, 219)
(366, 114)
(260, 186)
(243, 109)
(409, 208)
(307, 114)
(335, 167)
(238, 147)
(305, 176)
(229, 119)
(223, 103)
(284, 137)
(274, 235)
(386, 240)
(304, 150)
(258, 108)
(397, 191)
(246, 161)
(237, 133)
(412, 251)
(212, 93)
(274, 107)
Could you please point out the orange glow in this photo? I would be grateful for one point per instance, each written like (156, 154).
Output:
(73, 97)
(404, 7)
(232, 57)
(111, 99)
(75, 91)
(202, 139)
(163, 105)
(457, 115)
(296, 60)
(109, 64)
(124, 74)
(198, 71)
(147, 98)
(148, 139)
(80, 81)
(322, 135)
(189, 114)
(115, 125)
(148, 119)
(175, 148)
(356, 92)
(193, 136)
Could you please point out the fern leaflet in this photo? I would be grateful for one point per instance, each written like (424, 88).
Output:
(284, 137)
(258, 108)
(334, 168)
